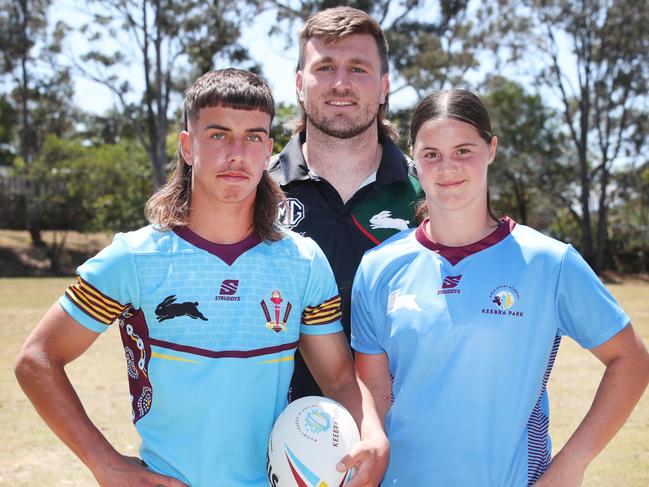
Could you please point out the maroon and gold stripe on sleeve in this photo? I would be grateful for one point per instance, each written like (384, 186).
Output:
(327, 312)
(94, 303)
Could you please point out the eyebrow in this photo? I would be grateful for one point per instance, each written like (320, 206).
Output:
(329, 59)
(454, 147)
(216, 126)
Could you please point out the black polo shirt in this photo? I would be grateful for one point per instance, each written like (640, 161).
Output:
(344, 231)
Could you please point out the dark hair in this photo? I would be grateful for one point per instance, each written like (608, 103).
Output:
(333, 24)
(234, 88)
(461, 105)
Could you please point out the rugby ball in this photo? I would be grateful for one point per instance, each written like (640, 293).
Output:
(308, 440)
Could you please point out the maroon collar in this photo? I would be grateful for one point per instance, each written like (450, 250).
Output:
(456, 254)
(228, 253)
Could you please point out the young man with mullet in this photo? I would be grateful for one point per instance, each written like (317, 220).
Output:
(347, 183)
(212, 300)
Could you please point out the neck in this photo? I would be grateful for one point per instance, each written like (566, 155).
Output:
(222, 223)
(344, 163)
(459, 228)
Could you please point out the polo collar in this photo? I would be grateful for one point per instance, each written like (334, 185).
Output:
(292, 166)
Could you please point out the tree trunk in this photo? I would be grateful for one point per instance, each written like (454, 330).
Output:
(602, 222)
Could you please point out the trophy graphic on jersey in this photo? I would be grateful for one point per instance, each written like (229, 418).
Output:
(276, 325)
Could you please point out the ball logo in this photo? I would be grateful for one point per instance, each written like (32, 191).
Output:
(317, 421)
(307, 441)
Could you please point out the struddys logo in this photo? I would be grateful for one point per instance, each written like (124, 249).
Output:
(449, 285)
(504, 300)
(275, 323)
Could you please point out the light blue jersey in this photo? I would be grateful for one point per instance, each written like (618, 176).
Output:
(471, 334)
(209, 334)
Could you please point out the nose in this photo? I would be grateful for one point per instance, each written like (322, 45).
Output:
(446, 164)
(341, 80)
(236, 152)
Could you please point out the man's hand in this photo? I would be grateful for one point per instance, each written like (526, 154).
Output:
(370, 458)
(128, 471)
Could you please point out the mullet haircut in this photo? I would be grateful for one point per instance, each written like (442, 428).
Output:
(234, 88)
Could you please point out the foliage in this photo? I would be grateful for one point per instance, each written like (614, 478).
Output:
(40, 89)
(595, 57)
(282, 130)
(528, 177)
(152, 39)
(7, 123)
(628, 236)
(86, 188)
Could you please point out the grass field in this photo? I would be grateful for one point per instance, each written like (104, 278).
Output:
(32, 456)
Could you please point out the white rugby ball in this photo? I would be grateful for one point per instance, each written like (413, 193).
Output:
(308, 440)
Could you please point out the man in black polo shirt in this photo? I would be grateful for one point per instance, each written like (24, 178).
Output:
(347, 183)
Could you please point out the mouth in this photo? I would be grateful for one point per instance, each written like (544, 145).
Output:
(233, 176)
(340, 103)
(451, 184)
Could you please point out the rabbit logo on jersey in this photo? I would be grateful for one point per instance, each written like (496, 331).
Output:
(504, 297)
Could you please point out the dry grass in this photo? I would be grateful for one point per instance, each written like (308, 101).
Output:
(32, 456)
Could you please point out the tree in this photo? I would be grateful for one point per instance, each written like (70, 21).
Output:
(527, 177)
(8, 121)
(88, 188)
(628, 237)
(594, 56)
(41, 90)
(153, 39)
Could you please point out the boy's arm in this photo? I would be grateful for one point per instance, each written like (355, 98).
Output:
(40, 369)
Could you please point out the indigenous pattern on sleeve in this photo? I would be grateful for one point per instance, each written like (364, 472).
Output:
(327, 312)
(94, 303)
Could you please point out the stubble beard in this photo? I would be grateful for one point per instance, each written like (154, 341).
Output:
(341, 127)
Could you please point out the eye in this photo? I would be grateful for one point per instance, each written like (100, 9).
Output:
(254, 138)
(430, 155)
(218, 136)
(358, 69)
(325, 67)
(463, 151)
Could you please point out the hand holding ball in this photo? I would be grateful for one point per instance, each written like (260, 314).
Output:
(308, 440)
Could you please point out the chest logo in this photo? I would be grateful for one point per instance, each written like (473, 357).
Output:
(397, 301)
(384, 220)
(504, 298)
(228, 291)
(169, 309)
(449, 285)
(291, 213)
(276, 324)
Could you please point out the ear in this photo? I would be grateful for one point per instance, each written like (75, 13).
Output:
(385, 87)
(298, 86)
(492, 148)
(186, 147)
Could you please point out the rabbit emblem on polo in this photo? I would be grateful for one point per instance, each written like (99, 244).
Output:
(169, 309)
